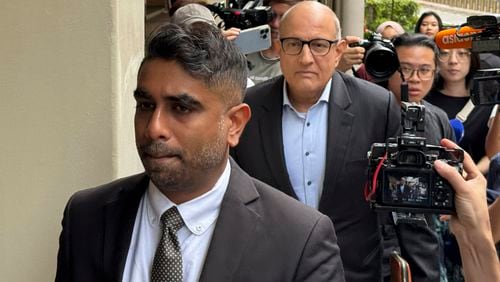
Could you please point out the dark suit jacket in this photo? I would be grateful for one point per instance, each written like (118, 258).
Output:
(360, 113)
(260, 235)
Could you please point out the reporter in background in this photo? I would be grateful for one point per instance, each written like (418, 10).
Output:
(352, 55)
(265, 64)
(451, 92)
(417, 55)
(429, 23)
(388, 30)
(471, 224)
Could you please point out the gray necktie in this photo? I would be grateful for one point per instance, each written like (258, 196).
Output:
(167, 263)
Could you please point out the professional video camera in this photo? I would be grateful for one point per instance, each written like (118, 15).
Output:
(251, 14)
(481, 34)
(401, 174)
(380, 60)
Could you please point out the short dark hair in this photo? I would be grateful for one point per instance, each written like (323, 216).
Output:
(425, 15)
(205, 54)
(411, 40)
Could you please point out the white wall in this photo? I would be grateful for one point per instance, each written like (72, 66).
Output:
(67, 72)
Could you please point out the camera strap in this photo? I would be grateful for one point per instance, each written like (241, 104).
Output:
(466, 110)
(458, 122)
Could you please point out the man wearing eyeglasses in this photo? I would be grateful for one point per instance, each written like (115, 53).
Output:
(418, 57)
(418, 244)
(310, 131)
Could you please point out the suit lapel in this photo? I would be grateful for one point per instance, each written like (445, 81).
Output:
(340, 123)
(119, 218)
(272, 137)
(236, 225)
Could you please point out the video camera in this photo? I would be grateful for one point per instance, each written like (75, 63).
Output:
(380, 60)
(252, 14)
(481, 34)
(401, 175)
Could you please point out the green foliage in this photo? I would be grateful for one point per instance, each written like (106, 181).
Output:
(405, 12)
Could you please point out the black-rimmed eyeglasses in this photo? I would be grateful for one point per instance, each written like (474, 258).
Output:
(318, 47)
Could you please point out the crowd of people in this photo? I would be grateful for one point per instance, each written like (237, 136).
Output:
(266, 183)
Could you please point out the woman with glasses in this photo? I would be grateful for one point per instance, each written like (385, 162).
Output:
(452, 92)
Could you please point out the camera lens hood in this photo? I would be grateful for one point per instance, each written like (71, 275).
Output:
(381, 62)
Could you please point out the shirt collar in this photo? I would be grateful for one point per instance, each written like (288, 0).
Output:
(199, 213)
(325, 95)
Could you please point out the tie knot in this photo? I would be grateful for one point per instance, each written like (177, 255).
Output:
(172, 219)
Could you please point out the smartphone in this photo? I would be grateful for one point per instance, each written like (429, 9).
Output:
(254, 39)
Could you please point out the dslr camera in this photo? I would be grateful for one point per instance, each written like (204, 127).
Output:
(401, 174)
(252, 14)
(380, 60)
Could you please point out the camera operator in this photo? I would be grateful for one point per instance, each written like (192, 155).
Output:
(353, 55)
(471, 224)
(387, 30)
(417, 56)
(265, 64)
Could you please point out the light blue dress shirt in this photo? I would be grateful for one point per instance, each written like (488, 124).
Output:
(304, 140)
(199, 215)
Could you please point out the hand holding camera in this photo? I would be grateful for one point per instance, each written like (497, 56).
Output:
(401, 174)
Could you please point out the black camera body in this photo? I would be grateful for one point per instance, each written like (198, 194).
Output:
(401, 172)
(247, 17)
(485, 90)
(380, 60)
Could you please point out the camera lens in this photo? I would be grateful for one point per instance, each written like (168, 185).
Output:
(381, 62)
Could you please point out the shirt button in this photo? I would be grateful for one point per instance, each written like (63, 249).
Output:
(198, 228)
(307, 154)
(309, 182)
(308, 123)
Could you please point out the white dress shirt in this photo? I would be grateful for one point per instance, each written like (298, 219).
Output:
(199, 215)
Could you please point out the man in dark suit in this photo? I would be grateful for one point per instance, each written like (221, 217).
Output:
(311, 130)
(228, 226)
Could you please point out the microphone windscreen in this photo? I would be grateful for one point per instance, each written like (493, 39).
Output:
(458, 128)
(448, 39)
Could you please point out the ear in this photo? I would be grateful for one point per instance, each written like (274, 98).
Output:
(339, 51)
(238, 117)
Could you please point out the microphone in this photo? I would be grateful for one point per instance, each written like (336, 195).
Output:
(448, 39)
(458, 128)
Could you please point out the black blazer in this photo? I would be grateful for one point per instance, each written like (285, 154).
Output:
(260, 235)
(359, 114)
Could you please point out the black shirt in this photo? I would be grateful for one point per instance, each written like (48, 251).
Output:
(475, 127)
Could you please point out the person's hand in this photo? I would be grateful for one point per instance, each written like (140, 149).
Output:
(471, 224)
(470, 194)
(231, 34)
(352, 55)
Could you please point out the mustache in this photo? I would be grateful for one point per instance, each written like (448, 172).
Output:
(159, 149)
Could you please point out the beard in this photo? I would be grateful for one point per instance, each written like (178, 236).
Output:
(184, 169)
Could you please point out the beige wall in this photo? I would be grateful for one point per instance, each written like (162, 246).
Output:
(67, 71)
(351, 25)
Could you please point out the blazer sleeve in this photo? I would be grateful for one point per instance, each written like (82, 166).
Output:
(63, 257)
(320, 260)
